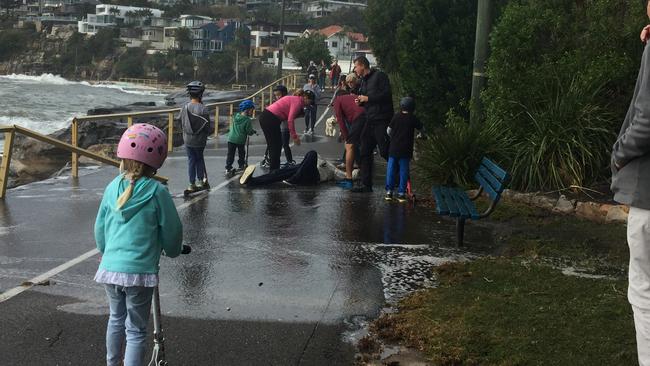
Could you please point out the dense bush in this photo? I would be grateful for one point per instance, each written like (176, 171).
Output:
(14, 41)
(453, 153)
(561, 87)
(435, 46)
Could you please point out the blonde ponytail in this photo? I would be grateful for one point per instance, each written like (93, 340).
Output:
(132, 170)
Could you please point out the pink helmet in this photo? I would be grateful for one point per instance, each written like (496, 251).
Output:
(144, 143)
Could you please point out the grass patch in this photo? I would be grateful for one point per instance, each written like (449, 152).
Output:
(502, 312)
(522, 230)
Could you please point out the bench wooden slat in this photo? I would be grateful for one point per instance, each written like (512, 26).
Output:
(441, 205)
(494, 182)
(463, 211)
(494, 195)
(495, 169)
(451, 204)
(469, 204)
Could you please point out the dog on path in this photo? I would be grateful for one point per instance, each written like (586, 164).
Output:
(330, 126)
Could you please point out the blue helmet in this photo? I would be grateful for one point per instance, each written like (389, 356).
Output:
(246, 105)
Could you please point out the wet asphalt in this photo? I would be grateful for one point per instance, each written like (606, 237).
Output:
(278, 275)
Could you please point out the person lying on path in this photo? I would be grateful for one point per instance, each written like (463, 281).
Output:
(312, 170)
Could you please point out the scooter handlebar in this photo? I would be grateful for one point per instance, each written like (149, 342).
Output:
(186, 249)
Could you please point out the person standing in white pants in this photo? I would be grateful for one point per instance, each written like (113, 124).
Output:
(631, 186)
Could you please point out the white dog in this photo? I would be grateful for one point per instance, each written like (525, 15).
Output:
(330, 126)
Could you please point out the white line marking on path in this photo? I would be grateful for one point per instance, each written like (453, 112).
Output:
(73, 262)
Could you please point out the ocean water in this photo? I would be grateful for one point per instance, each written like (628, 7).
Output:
(48, 102)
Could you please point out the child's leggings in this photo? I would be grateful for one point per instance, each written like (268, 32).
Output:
(129, 316)
(393, 164)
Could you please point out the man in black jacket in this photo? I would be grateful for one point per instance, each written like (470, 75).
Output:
(376, 97)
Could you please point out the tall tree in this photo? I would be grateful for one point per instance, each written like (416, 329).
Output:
(382, 18)
(310, 48)
(183, 37)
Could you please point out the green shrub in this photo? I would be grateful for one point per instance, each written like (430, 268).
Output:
(567, 138)
(452, 153)
(561, 87)
(13, 42)
(131, 63)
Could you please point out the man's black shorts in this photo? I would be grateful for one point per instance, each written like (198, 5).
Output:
(354, 131)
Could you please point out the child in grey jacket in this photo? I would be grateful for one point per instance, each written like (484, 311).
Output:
(195, 121)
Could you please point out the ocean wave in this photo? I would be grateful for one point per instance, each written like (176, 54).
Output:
(42, 79)
(52, 79)
(42, 126)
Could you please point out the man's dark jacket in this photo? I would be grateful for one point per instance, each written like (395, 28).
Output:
(379, 107)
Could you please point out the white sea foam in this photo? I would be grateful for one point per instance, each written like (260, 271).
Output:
(52, 79)
(42, 126)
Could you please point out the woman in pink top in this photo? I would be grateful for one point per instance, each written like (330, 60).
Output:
(285, 109)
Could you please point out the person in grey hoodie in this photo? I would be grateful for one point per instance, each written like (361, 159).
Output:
(195, 121)
(631, 186)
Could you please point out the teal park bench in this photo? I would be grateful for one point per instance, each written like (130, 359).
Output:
(454, 202)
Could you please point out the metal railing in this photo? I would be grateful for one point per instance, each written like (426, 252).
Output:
(10, 134)
(265, 95)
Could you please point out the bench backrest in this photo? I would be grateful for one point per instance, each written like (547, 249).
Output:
(492, 178)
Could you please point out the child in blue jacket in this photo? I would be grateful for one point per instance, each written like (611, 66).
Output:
(137, 220)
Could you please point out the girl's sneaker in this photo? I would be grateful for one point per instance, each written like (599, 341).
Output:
(401, 197)
(192, 187)
(388, 196)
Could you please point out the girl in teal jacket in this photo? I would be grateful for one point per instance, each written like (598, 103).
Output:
(136, 222)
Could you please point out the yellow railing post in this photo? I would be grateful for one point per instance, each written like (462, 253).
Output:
(6, 160)
(262, 105)
(170, 132)
(75, 142)
(270, 95)
(129, 121)
(254, 109)
(216, 122)
(232, 108)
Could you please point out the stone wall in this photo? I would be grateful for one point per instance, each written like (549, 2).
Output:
(599, 212)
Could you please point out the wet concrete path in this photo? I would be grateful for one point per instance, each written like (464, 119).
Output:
(276, 276)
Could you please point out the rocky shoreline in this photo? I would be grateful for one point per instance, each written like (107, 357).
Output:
(34, 160)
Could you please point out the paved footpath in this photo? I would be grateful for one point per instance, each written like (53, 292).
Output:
(278, 275)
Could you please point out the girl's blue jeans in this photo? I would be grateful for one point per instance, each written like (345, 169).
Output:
(391, 171)
(129, 314)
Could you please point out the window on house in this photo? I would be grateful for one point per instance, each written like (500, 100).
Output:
(197, 45)
(335, 44)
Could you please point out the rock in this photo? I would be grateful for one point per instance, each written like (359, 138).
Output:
(590, 210)
(543, 202)
(107, 150)
(563, 205)
(617, 213)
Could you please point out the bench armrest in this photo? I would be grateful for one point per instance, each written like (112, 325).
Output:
(493, 205)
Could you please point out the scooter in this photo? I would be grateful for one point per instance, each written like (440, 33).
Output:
(158, 354)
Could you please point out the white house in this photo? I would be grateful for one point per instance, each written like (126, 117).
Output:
(317, 9)
(108, 15)
(340, 43)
